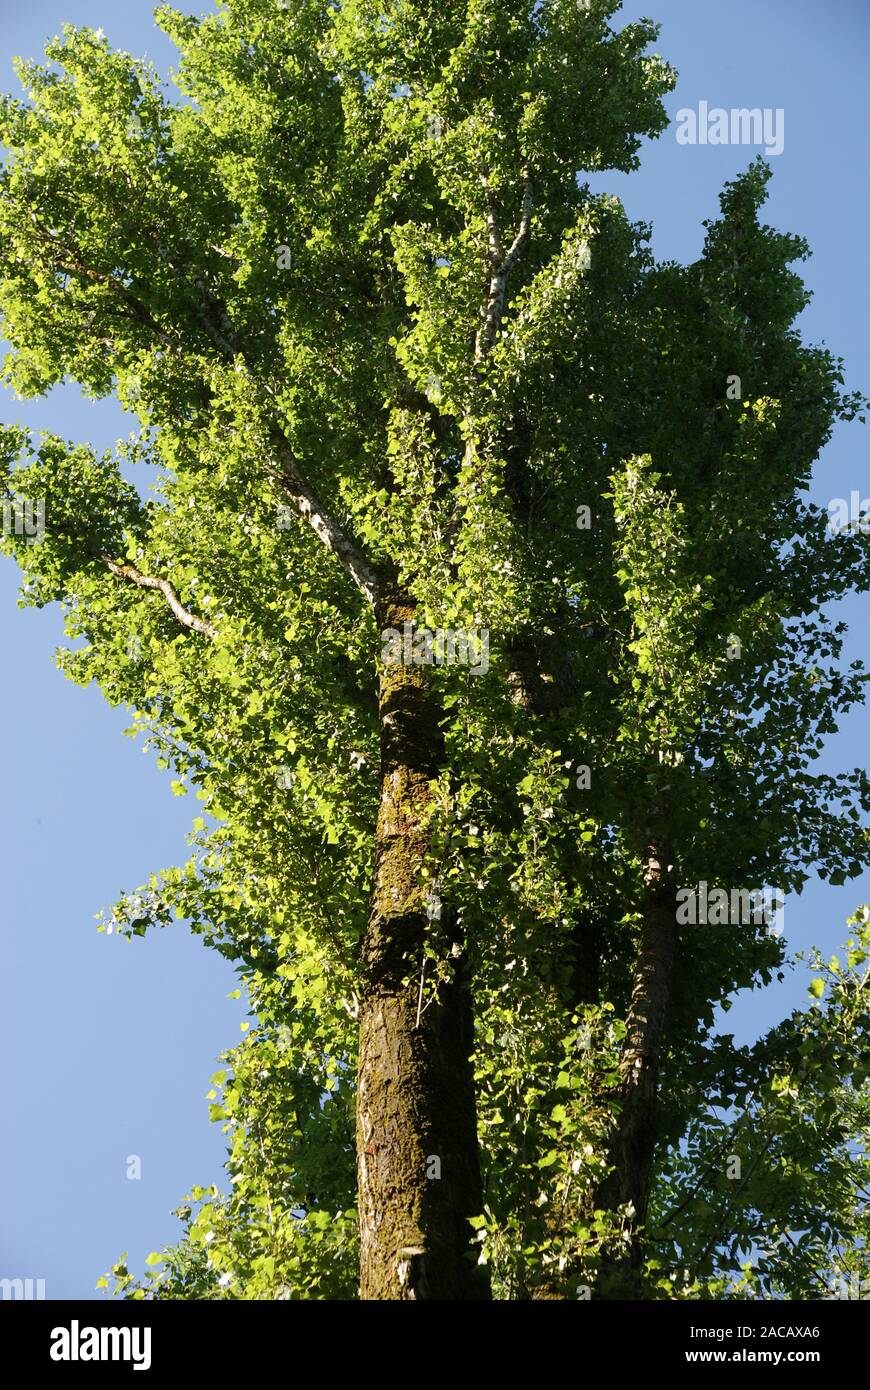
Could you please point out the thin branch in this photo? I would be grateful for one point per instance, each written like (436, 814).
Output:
(147, 581)
(135, 576)
(75, 266)
(289, 477)
(725, 1210)
(720, 1148)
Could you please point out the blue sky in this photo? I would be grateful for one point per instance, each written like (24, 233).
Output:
(108, 1047)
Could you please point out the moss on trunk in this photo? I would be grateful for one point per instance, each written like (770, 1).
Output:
(417, 1154)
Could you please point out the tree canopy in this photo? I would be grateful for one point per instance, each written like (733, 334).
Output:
(395, 369)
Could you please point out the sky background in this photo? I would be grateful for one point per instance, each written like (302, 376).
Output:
(108, 1046)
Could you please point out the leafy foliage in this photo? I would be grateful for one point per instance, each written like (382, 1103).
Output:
(292, 263)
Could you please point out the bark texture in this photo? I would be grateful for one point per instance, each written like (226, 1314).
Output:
(417, 1153)
(635, 1134)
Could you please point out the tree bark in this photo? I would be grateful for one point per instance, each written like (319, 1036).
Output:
(635, 1134)
(417, 1152)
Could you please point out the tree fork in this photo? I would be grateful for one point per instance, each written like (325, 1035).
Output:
(417, 1153)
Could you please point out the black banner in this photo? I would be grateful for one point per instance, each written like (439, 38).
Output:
(83, 1339)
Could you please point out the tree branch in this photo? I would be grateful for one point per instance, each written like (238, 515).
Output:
(496, 255)
(288, 476)
(74, 265)
(134, 575)
(147, 581)
(498, 281)
(329, 531)
(634, 1138)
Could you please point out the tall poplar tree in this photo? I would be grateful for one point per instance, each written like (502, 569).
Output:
(410, 391)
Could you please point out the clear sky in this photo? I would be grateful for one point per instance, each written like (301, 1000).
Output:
(107, 1047)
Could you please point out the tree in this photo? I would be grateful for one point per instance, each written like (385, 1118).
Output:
(478, 614)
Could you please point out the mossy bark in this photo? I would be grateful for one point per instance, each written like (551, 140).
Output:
(417, 1154)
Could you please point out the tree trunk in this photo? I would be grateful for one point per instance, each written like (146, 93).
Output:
(417, 1154)
(634, 1140)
